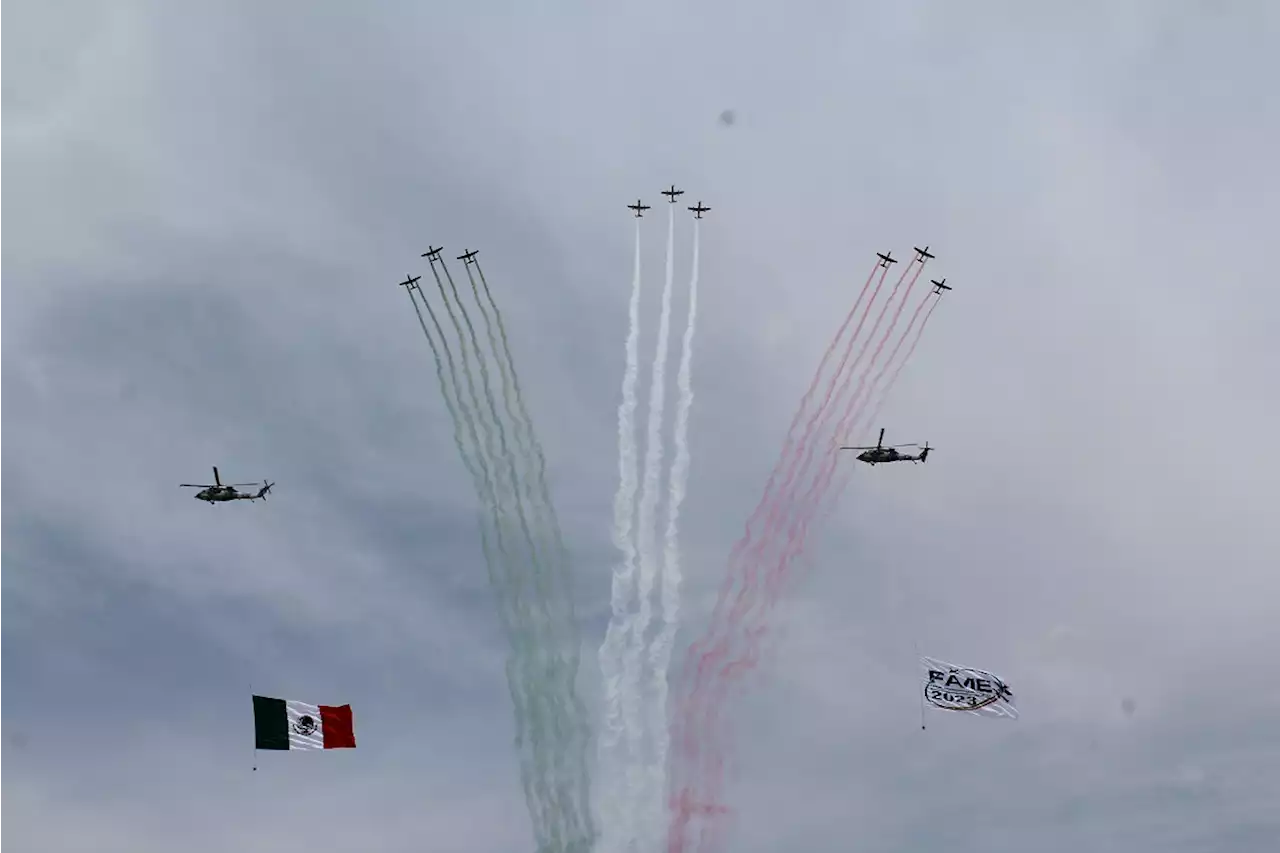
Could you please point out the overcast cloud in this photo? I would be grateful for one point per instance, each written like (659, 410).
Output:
(206, 214)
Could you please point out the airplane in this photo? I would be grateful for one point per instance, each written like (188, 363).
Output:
(433, 253)
(881, 453)
(939, 286)
(699, 210)
(923, 253)
(468, 257)
(410, 281)
(638, 207)
(885, 260)
(218, 492)
(672, 193)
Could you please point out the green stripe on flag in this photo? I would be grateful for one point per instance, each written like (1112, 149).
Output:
(270, 723)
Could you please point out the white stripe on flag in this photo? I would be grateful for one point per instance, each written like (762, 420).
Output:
(305, 729)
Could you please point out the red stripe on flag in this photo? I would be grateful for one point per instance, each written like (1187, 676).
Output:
(339, 727)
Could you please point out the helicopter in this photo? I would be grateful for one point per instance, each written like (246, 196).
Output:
(218, 492)
(881, 453)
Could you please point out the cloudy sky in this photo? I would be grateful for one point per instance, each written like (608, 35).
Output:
(208, 209)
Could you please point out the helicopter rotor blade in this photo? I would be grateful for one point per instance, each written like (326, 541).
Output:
(195, 485)
(216, 478)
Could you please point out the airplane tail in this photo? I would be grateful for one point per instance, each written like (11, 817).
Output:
(266, 487)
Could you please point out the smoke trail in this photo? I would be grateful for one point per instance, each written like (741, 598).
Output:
(491, 531)
(560, 664)
(624, 498)
(810, 505)
(817, 488)
(843, 475)
(703, 751)
(568, 727)
(528, 664)
(660, 652)
(786, 504)
(781, 506)
(893, 378)
(646, 804)
(691, 739)
(702, 652)
(802, 509)
(533, 590)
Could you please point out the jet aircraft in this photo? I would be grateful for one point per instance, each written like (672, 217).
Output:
(881, 453)
(672, 193)
(217, 492)
(698, 210)
(638, 207)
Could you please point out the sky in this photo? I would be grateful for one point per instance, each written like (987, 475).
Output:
(207, 212)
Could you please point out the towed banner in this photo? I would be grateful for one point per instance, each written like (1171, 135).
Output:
(949, 687)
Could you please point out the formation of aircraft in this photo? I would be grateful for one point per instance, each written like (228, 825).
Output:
(639, 207)
(218, 492)
(882, 453)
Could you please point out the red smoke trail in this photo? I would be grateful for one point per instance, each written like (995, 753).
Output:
(722, 681)
(781, 499)
(717, 619)
(694, 726)
(683, 802)
(802, 509)
(699, 661)
(813, 500)
(843, 481)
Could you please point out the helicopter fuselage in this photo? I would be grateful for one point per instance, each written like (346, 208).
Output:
(216, 495)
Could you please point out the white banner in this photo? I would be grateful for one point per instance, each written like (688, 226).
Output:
(949, 687)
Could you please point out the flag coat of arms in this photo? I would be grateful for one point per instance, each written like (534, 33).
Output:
(288, 724)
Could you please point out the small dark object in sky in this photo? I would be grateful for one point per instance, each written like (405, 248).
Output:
(1128, 706)
(728, 117)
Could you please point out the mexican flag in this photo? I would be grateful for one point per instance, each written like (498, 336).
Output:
(286, 724)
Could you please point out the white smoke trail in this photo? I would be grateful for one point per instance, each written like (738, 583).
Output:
(646, 804)
(660, 651)
(612, 805)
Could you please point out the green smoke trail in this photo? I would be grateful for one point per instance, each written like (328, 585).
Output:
(536, 659)
(531, 579)
(577, 734)
(491, 529)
